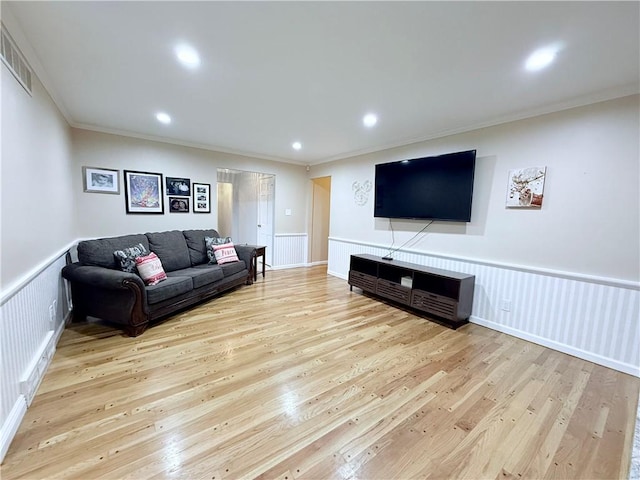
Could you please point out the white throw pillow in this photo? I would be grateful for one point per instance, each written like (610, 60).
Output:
(225, 253)
(150, 269)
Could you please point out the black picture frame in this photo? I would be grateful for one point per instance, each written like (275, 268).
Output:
(201, 197)
(179, 204)
(143, 192)
(178, 186)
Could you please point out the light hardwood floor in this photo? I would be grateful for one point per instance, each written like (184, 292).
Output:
(297, 377)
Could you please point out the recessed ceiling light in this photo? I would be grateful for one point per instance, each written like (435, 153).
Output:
(370, 119)
(296, 145)
(540, 59)
(188, 56)
(163, 118)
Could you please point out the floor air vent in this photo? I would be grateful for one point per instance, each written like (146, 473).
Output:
(15, 61)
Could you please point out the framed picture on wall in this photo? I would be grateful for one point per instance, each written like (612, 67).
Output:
(201, 198)
(526, 187)
(143, 192)
(178, 205)
(179, 186)
(101, 180)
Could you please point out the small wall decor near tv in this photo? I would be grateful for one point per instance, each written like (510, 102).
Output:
(430, 188)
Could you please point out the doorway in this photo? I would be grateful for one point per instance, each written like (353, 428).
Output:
(320, 220)
(246, 207)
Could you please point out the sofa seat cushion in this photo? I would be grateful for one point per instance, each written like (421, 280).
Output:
(196, 245)
(171, 249)
(232, 268)
(168, 288)
(99, 252)
(201, 276)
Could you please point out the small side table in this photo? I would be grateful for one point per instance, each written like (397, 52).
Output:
(260, 252)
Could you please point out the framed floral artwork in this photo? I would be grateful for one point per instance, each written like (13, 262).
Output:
(526, 187)
(143, 192)
(101, 180)
(201, 198)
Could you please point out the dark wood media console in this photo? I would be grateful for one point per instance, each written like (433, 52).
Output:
(444, 294)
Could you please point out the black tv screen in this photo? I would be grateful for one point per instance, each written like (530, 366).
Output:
(430, 188)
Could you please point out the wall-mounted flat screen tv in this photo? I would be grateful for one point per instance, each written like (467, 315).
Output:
(430, 188)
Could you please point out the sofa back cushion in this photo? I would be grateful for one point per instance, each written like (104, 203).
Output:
(99, 252)
(195, 243)
(171, 249)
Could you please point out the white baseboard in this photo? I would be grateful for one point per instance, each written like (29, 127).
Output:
(299, 265)
(11, 425)
(315, 264)
(284, 267)
(13, 421)
(576, 352)
(337, 274)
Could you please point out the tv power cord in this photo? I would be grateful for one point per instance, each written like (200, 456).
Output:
(391, 251)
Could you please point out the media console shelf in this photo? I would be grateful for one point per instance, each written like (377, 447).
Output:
(444, 294)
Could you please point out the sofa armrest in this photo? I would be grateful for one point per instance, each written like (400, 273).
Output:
(108, 294)
(246, 253)
(100, 277)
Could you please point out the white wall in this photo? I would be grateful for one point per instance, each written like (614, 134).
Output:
(105, 215)
(37, 225)
(590, 219)
(37, 181)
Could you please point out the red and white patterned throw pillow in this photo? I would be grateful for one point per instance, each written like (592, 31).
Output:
(225, 253)
(150, 269)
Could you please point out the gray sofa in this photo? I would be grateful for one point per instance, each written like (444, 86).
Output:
(101, 289)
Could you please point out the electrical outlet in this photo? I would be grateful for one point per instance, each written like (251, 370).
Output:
(52, 314)
(506, 305)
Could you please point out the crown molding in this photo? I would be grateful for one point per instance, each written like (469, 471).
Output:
(182, 143)
(601, 96)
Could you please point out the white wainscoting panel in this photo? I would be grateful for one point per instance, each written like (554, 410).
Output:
(589, 317)
(30, 327)
(289, 250)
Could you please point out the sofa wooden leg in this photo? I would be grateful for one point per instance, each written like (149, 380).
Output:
(135, 330)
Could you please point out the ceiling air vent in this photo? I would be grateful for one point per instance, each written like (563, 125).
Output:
(13, 58)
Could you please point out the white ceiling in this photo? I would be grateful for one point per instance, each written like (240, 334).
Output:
(276, 72)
